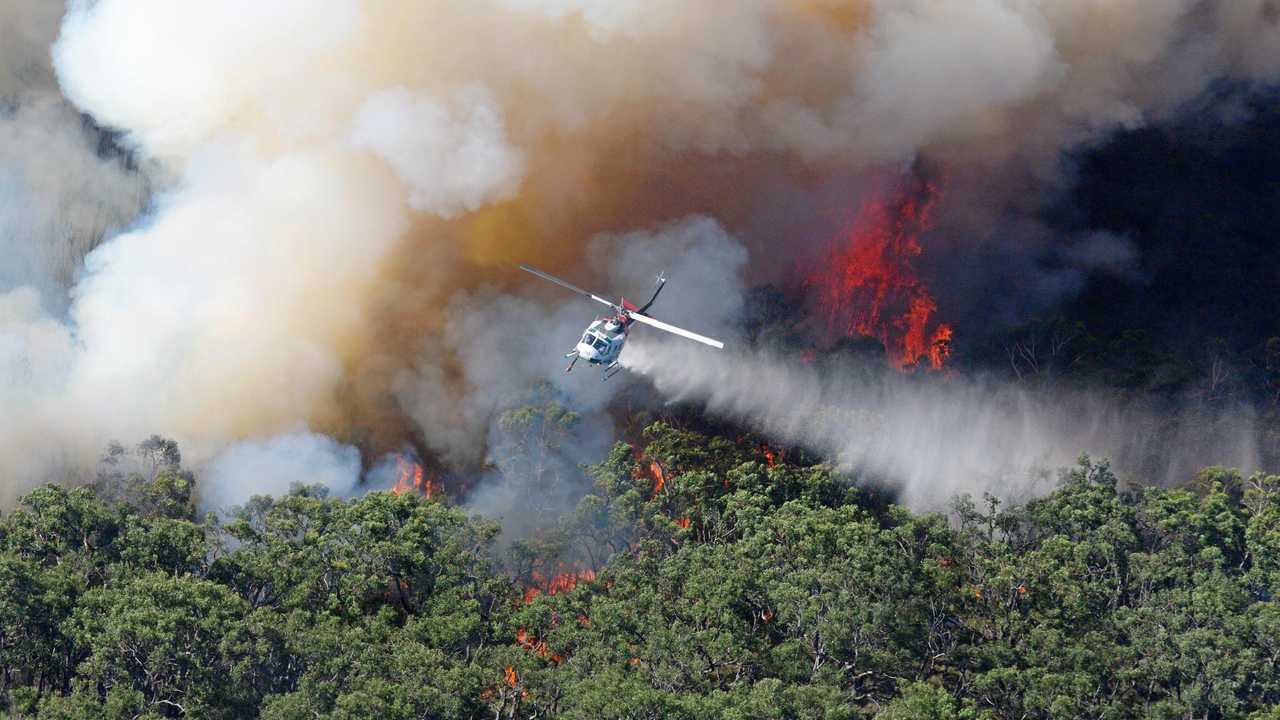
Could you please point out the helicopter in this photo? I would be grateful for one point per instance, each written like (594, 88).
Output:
(602, 341)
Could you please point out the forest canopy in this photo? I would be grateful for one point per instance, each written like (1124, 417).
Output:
(703, 577)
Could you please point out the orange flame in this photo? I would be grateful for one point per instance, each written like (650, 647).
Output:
(511, 677)
(659, 477)
(683, 522)
(412, 478)
(558, 583)
(563, 581)
(654, 470)
(771, 456)
(866, 284)
(537, 646)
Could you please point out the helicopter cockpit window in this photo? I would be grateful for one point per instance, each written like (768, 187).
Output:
(601, 344)
(587, 338)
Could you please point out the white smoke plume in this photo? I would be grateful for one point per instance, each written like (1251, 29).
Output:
(345, 190)
(58, 196)
(424, 141)
(26, 29)
(275, 465)
(63, 186)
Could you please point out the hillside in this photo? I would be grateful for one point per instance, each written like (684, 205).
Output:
(704, 577)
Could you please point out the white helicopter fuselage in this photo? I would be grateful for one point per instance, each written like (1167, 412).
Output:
(602, 342)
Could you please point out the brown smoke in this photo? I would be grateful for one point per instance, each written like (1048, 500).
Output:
(351, 183)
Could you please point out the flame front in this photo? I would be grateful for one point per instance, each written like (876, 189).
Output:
(866, 284)
(562, 581)
(411, 477)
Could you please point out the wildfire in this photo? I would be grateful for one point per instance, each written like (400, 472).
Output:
(411, 477)
(651, 468)
(771, 456)
(866, 284)
(563, 581)
(659, 477)
(538, 646)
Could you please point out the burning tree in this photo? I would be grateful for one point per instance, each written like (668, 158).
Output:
(866, 283)
(410, 477)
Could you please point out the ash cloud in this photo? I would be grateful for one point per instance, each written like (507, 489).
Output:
(335, 199)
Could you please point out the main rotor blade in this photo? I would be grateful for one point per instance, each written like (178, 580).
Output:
(567, 285)
(678, 331)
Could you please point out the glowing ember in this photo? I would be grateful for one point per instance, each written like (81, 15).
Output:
(683, 522)
(410, 477)
(866, 284)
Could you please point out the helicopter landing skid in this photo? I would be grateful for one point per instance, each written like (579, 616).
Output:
(613, 369)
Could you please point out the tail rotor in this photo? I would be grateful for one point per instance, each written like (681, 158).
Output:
(662, 282)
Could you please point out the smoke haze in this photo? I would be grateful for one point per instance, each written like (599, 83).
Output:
(274, 465)
(933, 438)
(310, 218)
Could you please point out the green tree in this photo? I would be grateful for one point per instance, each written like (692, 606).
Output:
(164, 638)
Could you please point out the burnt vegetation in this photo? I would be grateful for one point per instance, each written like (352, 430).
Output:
(704, 576)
